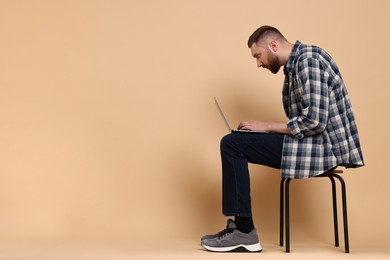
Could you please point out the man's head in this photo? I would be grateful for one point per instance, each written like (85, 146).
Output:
(268, 46)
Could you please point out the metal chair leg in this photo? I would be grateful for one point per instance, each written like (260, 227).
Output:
(281, 228)
(287, 204)
(345, 217)
(335, 218)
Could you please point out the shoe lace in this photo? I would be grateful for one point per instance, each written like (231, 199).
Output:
(224, 232)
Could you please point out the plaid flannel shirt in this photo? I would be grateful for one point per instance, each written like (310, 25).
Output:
(324, 132)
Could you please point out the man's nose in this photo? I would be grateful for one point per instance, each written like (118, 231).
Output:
(259, 64)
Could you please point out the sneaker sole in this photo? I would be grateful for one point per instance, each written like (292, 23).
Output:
(238, 248)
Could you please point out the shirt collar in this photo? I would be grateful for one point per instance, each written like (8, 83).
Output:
(294, 52)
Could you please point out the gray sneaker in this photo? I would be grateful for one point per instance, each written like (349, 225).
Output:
(229, 226)
(232, 240)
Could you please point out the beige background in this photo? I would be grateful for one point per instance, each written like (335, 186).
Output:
(109, 138)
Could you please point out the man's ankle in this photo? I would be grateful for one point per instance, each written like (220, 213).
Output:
(244, 224)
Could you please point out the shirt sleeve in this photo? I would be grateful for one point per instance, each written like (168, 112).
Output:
(312, 93)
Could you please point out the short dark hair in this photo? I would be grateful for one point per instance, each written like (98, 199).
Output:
(263, 31)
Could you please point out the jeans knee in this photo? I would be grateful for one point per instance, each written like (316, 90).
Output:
(226, 142)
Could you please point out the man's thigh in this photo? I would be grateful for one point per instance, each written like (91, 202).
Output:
(258, 148)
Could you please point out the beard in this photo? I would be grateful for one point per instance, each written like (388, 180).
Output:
(273, 61)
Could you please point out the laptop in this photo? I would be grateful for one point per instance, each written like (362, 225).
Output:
(228, 125)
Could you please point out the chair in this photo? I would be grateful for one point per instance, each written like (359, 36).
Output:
(285, 211)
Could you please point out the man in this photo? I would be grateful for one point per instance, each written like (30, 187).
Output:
(319, 135)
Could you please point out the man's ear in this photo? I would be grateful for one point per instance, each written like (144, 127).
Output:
(273, 46)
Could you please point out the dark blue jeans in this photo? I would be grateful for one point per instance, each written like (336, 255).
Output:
(237, 149)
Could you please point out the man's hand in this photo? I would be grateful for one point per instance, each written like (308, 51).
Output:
(272, 127)
(253, 126)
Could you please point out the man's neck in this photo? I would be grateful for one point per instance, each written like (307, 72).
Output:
(285, 53)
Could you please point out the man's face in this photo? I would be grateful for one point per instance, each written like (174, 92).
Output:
(265, 58)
